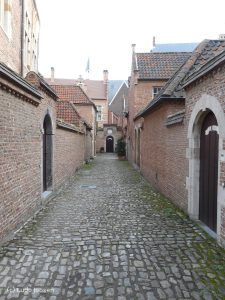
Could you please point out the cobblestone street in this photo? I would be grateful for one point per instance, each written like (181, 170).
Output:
(108, 235)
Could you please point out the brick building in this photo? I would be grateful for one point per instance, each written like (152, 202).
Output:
(180, 147)
(150, 72)
(69, 91)
(19, 35)
(96, 96)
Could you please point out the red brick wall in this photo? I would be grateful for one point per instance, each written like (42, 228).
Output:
(163, 151)
(21, 157)
(69, 154)
(139, 96)
(20, 147)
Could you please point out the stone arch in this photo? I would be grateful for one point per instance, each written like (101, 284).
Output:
(205, 104)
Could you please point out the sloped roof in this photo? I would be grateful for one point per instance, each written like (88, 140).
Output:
(159, 65)
(113, 86)
(175, 47)
(72, 93)
(67, 113)
(212, 50)
(95, 89)
(206, 56)
(8, 74)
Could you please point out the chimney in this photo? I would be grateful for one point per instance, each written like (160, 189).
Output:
(222, 36)
(52, 74)
(105, 76)
(133, 47)
(153, 41)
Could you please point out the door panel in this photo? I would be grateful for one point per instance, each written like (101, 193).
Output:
(208, 172)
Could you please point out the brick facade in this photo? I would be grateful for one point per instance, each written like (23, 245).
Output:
(170, 129)
(22, 113)
(19, 40)
(163, 153)
(140, 92)
(10, 46)
(69, 154)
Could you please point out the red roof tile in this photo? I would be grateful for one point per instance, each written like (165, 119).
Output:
(159, 65)
(95, 89)
(72, 93)
(67, 113)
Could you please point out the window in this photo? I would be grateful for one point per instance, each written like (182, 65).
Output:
(2, 12)
(5, 16)
(99, 113)
(156, 90)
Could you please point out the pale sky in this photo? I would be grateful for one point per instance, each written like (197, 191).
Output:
(103, 30)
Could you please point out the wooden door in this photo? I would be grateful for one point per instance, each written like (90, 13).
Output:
(208, 171)
(109, 144)
(47, 154)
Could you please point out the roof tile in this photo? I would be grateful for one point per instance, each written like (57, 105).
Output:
(159, 65)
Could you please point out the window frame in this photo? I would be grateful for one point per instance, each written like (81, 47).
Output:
(158, 90)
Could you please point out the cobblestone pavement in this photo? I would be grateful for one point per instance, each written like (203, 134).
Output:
(108, 235)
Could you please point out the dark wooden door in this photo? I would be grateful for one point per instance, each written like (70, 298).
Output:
(208, 171)
(138, 146)
(109, 144)
(47, 154)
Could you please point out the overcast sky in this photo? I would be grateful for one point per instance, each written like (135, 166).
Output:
(103, 30)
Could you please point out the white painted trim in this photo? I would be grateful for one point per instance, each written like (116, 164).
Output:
(205, 103)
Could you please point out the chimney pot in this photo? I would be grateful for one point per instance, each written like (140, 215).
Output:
(52, 74)
(133, 47)
(153, 42)
(105, 76)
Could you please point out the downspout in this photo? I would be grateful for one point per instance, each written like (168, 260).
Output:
(22, 40)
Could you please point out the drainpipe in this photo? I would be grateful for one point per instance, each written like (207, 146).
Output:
(22, 39)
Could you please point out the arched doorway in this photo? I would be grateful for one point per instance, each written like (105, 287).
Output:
(209, 140)
(47, 153)
(110, 144)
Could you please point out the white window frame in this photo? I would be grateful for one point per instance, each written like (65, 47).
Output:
(5, 17)
(156, 90)
(2, 12)
(99, 113)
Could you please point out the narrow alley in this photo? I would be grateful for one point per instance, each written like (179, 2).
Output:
(108, 235)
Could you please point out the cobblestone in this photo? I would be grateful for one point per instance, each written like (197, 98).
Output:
(108, 235)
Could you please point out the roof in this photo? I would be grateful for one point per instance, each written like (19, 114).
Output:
(72, 93)
(175, 47)
(67, 113)
(10, 75)
(113, 87)
(159, 65)
(95, 89)
(213, 50)
(119, 102)
(206, 56)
